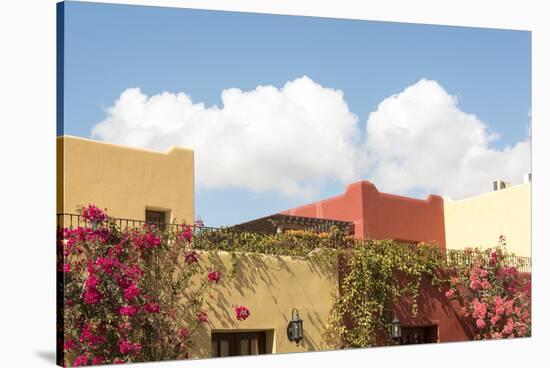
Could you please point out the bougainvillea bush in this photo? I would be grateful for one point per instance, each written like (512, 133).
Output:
(494, 295)
(129, 295)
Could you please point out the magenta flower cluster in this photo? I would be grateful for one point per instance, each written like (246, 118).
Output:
(242, 312)
(109, 299)
(93, 214)
(214, 276)
(494, 295)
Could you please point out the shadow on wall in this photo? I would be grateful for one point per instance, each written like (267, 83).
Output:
(270, 286)
(434, 308)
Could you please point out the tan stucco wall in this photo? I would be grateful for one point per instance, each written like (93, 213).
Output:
(480, 220)
(270, 286)
(124, 180)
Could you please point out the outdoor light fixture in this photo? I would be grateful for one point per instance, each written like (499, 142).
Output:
(295, 328)
(395, 325)
(395, 329)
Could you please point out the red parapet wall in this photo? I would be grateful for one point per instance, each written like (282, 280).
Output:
(380, 216)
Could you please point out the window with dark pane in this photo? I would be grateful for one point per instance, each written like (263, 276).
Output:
(418, 335)
(156, 217)
(238, 343)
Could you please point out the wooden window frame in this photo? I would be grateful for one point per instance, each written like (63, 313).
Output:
(235, 339)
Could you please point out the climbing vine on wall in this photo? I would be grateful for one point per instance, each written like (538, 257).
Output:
(369, 285)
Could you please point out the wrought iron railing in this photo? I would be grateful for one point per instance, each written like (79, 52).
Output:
(461, 257)
(73, 220)
(452, 257)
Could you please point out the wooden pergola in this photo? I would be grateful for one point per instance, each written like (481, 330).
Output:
(278, 223)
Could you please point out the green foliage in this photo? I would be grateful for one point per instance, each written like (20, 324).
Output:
(369, 269)
(369, 285)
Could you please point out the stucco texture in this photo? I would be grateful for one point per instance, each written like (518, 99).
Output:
(124, 180)
(479, 221)
(378, 215)
(270, 286)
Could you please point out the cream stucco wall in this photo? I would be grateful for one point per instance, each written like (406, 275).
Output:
(125, 180)
(270, 286)
(480, 220)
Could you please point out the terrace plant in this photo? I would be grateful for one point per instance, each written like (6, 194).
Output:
(369, 286)
(131, 295)
(494, 295)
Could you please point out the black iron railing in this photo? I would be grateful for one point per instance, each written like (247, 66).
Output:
(461, 257)
(452, 257)
(73, 220)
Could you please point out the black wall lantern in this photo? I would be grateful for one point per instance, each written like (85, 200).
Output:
(295, 328)
(395, 329)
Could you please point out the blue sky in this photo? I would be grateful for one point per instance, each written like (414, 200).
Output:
(110, 48)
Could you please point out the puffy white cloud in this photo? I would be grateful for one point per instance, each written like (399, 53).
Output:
(420, 140)
(290, 140)
(294, 139)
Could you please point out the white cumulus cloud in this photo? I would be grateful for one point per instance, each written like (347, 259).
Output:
(419, 139)
(289, 140)
(292, 140)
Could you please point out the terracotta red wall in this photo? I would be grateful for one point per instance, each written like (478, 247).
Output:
(434, 308)
(380, 215)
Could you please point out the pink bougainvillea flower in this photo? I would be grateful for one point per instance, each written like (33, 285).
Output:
(127, 347)
(242, 312)
(184, 333)
(202, 317)
(80, 361)
(69, 344)
(90, 337)
(67, 267)
(480, 309)
(92, 281)
(107, 264)
(187, 233)
(191, 257)
(450, 293)
(93, 214)
(152, 307)
(508, 327)
(214, 276)
(92, 296)
(131, 292)
(97, 360)
(147, 240)
(130, 310)
(480, 323)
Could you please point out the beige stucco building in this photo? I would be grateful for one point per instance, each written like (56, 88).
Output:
(127, 181)
(270, 286)
(480, 220)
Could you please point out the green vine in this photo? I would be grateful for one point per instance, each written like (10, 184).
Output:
(369, 285)
(369, 270)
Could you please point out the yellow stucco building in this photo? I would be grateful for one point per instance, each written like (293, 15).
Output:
(129, 182)
(270, 286)
(480, 220)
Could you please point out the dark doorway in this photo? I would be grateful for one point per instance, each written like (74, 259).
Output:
(238, 343)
